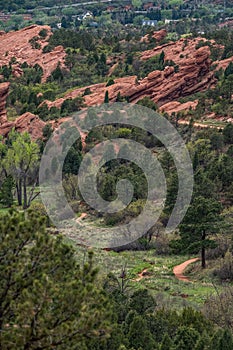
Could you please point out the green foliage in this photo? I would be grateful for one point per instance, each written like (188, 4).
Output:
(72, 161)
(47, 131)
(21, 162)
(40, 210)
(43, 33)
(87, 92)
(147, 102)
(74, 39)
(186, 338)
(57, 74)
(46, 299)
(166, 343)
(72, 105)
(110, 82)
(142, 301)
(34, 43)
(139, 335)
(228, 134)
(225, 342)
(6, 191)
(228, 70)
(225, 271)
(106, 98)
(202, 218)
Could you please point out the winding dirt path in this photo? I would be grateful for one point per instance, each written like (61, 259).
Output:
(141, 275)
(179, 269)
(80, 218)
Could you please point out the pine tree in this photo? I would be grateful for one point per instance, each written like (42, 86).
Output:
(6, 195)
(186, 338)
(228, 70)
(166, 343)
(46, 300)
(202, 219)
(162, 57)
(139, 335)
(106, 98)
(226, 341)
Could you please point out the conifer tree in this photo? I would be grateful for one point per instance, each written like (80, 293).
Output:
(6, 195)
(166, 343)
(47, 301)
(106, 98)
(139, 335)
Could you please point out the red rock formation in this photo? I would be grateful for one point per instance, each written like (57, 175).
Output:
(163, 87)
(30, 123)
(16, 44)
(223, 63)
(175, 107)
(194, 74)
(4, 89)
(158, 36)
(26, 122)
(179, 51)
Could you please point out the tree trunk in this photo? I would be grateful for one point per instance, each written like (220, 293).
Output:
(25, 200)
(19, 191)
(203, 259)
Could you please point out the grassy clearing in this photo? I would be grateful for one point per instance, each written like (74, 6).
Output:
(160, 280)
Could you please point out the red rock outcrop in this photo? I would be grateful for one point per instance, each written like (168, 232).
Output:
(17, 44)
(194, 74)
(31, 123)
(175, 106)
(158, 36)
(4, 89)
(223, 63)
(26, 122)
(178, 51)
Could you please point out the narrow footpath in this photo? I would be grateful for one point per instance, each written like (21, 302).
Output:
(179, 270)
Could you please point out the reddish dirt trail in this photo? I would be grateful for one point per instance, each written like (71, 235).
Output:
(141, 275)
(81, 217)
(179, 269)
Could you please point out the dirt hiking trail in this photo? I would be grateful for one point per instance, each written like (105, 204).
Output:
(179, 270)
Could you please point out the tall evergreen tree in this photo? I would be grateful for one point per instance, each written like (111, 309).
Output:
(202, 219)
(106, 98)
(6, 195)
(47, 301)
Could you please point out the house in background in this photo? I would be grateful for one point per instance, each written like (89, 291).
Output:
(149, 22)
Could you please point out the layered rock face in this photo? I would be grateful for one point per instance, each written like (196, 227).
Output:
(17, 45)
(26, 122)
(176, 107)
(4, 89)
(194, 74)
(158, 36)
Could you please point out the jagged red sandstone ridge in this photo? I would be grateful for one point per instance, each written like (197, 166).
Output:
(194, 74)
(26, 122)
(17, 44)
(175, 106)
